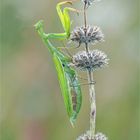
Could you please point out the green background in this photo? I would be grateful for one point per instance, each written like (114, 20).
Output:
(31, 106)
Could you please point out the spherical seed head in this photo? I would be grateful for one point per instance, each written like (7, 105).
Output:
(83, 137)
(86, 136)
(90, 61)
(89, 2)
(100, 136)
(87, 35)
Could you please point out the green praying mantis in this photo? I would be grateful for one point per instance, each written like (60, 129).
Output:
(67, 76)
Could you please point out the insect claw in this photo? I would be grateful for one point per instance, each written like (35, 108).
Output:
(72, 122)
(72, 125)
(79, 11)
(65, 2)
(69, 2)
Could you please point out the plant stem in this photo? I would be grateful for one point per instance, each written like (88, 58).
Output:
(92, 104)
(92, 99)
(91, 88)
(85, 16)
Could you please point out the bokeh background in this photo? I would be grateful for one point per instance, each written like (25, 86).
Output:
(31, 106)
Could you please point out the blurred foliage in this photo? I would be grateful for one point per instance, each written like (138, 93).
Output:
(30, 99)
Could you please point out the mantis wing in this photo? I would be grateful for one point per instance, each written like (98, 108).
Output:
(70, 87)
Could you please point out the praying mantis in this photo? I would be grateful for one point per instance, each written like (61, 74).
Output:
(67, 76)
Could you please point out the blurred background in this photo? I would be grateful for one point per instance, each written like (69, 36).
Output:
(31, 106)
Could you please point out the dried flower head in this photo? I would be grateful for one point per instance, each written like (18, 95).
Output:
(93, 60)
(100, 136)
(83, 137)
(86, 136)
(89, 2)
(87, 35)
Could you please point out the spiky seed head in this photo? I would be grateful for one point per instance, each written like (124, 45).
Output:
(86, 136)
(87, 35)
(89, 2)
(83, 137)
(100, 136)
(93, 60)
